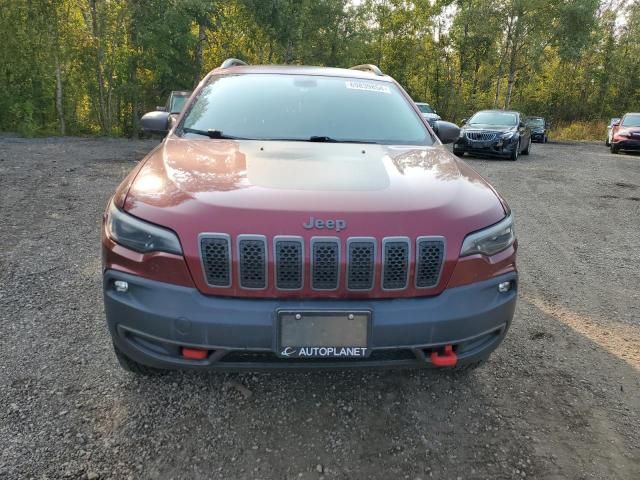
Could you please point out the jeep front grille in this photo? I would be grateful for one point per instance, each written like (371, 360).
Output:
(361, 263)
(480, 136)
(325, 263)
(216, 259)
(289, 261)
(395, 263)
(252, 250)
(429, 255)
(257, 259)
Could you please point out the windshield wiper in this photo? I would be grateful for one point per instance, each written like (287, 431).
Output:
(211, 133)
(324, 139)
(319, 138)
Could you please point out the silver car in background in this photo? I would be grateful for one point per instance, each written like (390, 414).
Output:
(428, 112)
(607, 142)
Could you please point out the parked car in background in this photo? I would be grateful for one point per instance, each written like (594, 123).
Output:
(607, 142)
(259, 236)
(428, 112)
(495, 133)
(539, 129)
(175, 102)
(626, 133)
(174, 105)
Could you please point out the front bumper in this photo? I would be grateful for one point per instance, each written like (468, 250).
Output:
(537, 136)
(494, 148)
(629, 145)
(153, 320)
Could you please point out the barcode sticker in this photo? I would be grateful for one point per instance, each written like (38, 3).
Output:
(369, 86)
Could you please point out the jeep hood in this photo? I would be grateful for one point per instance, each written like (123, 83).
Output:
(273, 187)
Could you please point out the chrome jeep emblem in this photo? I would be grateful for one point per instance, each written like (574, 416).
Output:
(337, 224)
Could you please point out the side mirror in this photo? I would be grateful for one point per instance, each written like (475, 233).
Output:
(447, 132)
(155, 122)
(464, 120)
(615, 124)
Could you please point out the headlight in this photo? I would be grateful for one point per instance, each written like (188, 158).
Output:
(140, 236)
(508, 135)
(490, 240)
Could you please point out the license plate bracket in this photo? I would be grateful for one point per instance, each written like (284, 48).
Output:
(323, 334)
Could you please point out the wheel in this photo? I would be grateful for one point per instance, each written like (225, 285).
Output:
(545, 139)
(134, 367)
(606, 142)
(614, 148)
(528, 149)
(515, 153)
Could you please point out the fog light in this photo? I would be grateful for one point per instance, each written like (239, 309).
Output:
(121, 286)
(504, 287)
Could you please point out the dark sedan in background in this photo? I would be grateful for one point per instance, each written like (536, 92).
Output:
(495, 133)
(539, 129)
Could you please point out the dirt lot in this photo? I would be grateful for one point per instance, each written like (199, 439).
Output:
(560, 399)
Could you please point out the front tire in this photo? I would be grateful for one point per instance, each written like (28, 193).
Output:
(134, 367)
(528, 149)
(614, 148)
(516, 151)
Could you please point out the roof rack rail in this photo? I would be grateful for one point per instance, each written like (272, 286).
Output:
(367, 67)
(232, 62)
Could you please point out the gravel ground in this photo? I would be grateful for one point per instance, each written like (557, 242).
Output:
(559, 399)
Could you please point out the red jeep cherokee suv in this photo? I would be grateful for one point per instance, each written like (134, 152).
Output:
(305, 217)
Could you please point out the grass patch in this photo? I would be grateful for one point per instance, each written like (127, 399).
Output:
(594, 130)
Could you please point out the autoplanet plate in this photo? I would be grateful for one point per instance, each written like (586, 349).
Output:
(328, 334)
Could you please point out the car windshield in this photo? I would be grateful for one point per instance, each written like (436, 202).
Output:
(425, 108)
(304, 108)
(177, 103)
(502, 119)
(631, 120)
(536, 122)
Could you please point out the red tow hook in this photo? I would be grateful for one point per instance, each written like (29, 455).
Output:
(447, 359)
(194, 353)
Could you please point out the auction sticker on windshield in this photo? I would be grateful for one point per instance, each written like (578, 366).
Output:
(369, 86)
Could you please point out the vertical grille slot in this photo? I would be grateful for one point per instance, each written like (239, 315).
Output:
(252, 253)
(288, 259)
(216, 259)
(395, 263)
(429, 260)
(325, 263)
(361, 255)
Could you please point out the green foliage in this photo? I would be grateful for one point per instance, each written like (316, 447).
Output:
(94, 66)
